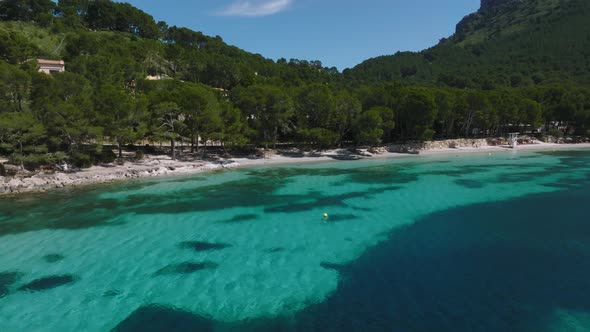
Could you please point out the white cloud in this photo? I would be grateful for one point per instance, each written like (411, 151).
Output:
(255, 8)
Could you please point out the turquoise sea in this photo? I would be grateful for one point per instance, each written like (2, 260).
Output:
(474, 242)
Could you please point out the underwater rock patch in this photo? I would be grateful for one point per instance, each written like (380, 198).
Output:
(111, 293)
(47, 283)
(274, 250)
(154, 318)
(203, 246)
(185, 268)
(471, 184)
(332, 266)
(9, 278)
(6, 280)
(363, 209)
(341, 217)
(383, 174)
(314, 199)
(242, 217)
(53, 258)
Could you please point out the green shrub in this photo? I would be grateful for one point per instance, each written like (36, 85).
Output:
(106, 156)
(555, 133)
(16, 159)
(139, 155)
(427, 135)
(6, 149)
(58, 157)
(320, 137)
(32, 162)
(81, 160)
(149, 149)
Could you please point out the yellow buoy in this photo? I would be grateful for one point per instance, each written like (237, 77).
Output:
(325, 215)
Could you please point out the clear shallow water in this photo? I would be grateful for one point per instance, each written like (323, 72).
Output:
(468, 243)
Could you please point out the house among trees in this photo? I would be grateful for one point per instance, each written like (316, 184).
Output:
(223, 92)
(51, 66)
(155, 77)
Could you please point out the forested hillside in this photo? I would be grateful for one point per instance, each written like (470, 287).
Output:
(483, 81)
(511, 44)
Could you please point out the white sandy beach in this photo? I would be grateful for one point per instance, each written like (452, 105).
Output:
(161, 165)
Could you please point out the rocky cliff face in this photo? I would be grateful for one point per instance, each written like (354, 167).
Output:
(491, 4)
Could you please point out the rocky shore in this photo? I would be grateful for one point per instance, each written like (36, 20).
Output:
(162, 165)
(151, 166)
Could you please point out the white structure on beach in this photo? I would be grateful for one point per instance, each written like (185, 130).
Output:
(513, 140)
(51, 66)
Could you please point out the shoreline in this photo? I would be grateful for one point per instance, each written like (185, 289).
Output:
(161, 165)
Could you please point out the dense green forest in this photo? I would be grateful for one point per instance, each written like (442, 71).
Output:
(515, 66)
(514, 44)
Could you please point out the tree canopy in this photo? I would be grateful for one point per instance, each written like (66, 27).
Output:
(502, 70)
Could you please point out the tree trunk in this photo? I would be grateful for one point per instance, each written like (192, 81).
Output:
(120, 150)
(192, 142)
(181, 152)
(468, 123)
(173, 149)
(22, 163)
(265, 137)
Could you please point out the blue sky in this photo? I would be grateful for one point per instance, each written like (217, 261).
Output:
(340, 33)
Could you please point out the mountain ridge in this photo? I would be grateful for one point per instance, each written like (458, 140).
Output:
(511, 43)
(491, 4)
